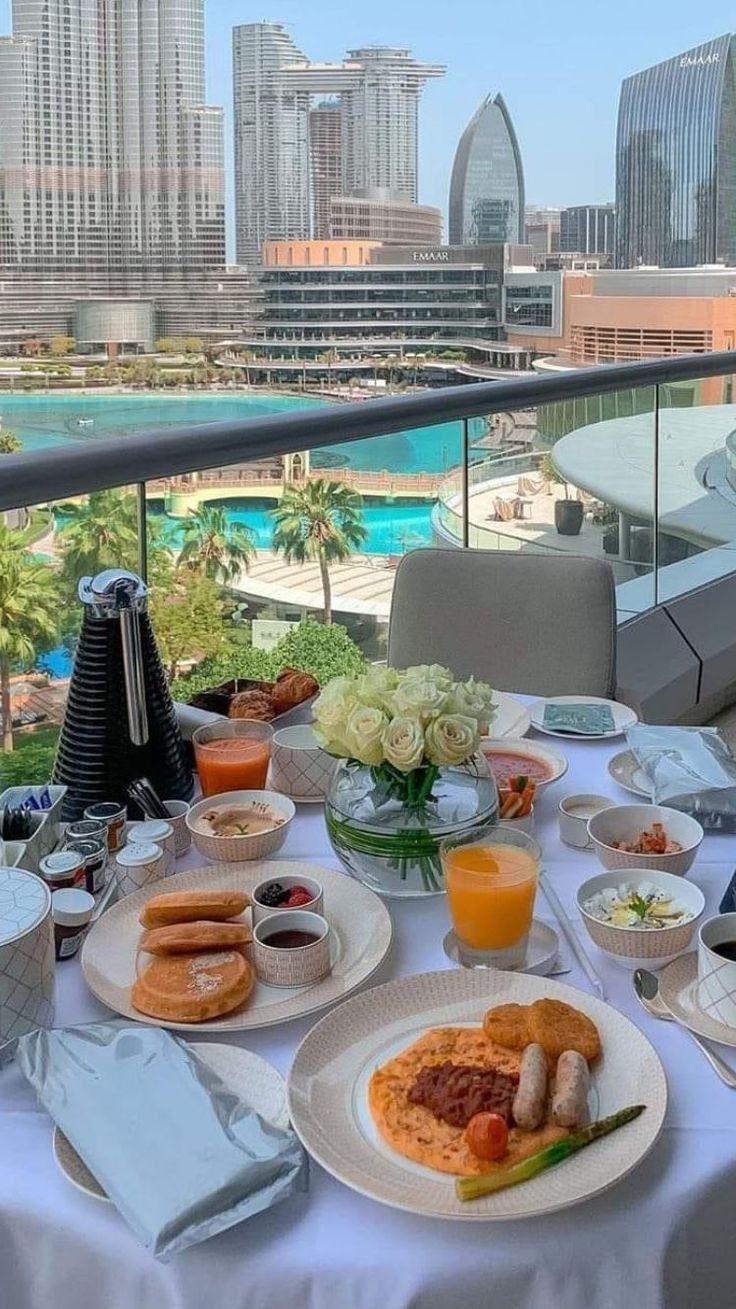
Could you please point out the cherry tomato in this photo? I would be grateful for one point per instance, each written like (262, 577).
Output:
(487, 1136)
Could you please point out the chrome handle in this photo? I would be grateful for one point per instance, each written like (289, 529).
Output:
(135, 686)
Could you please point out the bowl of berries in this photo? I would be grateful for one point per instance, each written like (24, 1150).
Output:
(272, 895)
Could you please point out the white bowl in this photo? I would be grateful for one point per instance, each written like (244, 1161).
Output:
(637, 947)
(553, 760)
(625, 822)
(234, 849)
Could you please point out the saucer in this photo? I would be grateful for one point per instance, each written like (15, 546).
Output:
(540, 957)
(678, 987)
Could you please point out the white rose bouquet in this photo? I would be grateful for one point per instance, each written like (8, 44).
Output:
(405, 727)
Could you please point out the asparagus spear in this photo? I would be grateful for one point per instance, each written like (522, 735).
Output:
(472, 1188)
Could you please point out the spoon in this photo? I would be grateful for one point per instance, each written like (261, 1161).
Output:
(646, 986)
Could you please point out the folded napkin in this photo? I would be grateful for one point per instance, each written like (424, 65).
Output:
(180, 1155)
(579, 719)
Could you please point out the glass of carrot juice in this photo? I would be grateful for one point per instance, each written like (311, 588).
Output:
(233, 755)
(491, 878)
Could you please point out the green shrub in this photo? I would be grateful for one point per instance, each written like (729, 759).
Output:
(32, 759)
(325, 652)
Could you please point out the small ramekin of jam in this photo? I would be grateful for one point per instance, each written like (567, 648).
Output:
(63, 870)
(72, 913)
(93, 850)
(113, 815)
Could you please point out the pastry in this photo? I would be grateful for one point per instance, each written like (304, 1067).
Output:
(558, 1027)
(192, 906)
(292, 687)
(193, 988)
(252, 704)
(190, 938)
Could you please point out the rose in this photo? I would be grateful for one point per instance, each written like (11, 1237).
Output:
(473, 700)
(376, 687)
(428, 673)
(423, 699)
(451, 739)
(331, 710)
(364, 734)
(403, 743)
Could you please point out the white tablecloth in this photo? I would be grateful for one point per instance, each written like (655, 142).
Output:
(662, 1239)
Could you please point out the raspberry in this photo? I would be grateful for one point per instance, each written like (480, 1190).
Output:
(298, 896)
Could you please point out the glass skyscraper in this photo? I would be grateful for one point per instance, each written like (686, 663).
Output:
(285, 148)
(676, 161)
(110, 161)
(487, 184)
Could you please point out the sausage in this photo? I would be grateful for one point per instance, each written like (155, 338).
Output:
(570, 1100)
(530, 1100)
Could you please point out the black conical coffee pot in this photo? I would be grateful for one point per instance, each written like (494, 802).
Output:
(119, 722)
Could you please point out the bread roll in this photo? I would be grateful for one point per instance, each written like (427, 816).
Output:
(191, 938)
(192, 907)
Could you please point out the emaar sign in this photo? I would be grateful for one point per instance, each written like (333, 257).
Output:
(430, 256)
(696, 61)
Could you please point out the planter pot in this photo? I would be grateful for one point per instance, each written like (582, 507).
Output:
(569, 516)
(391, 845)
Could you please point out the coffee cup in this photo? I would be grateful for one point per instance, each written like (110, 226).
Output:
(300, 768)
(177, 811)
(716, 969)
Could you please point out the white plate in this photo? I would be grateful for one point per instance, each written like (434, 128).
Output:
(678, 987)
(627, 773)
(327, 1090)
(623, 717)
(511, 717)
(361, 937)
(530, 750)
(540, 955)
(255, 1082)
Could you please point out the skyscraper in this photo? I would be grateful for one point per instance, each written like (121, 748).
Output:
(588, 229)
(284, 158)
(325, 140)
(487, 185)
(676, 161)
(110, 161)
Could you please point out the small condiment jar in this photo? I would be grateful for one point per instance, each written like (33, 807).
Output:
(63, 871)
(137, 865)
(93, 850)
(158, 831)
(72, 911)
(113, 816)
(85, 828)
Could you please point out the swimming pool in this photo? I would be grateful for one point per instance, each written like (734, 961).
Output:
(46, 421)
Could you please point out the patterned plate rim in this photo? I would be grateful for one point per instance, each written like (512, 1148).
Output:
(356, 904)
(361, 1022)
(625, 760)
(683, 971)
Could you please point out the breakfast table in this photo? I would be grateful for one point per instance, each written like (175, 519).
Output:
(660, 1239)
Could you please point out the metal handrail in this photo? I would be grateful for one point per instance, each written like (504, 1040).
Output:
(35, 477)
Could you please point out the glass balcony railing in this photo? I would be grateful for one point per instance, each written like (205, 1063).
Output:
(249, 529)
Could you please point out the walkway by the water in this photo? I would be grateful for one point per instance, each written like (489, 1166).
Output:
(364, 585)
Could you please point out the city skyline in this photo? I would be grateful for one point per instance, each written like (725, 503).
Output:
(561, 91)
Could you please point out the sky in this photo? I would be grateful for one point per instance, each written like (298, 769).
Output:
(559, 67)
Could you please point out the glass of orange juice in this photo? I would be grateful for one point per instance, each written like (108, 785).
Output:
(233, 755)
(491, 877)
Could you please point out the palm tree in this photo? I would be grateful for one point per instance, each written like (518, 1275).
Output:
(99, 533)
(321, 521)
(223, 549)
(29, 604)
(9, 442)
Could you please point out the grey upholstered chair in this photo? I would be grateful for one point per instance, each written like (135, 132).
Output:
(540, 624)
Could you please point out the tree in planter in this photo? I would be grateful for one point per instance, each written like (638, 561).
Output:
(61, 345)
(29, 605)
(320, 522)
(569, 511)
(221, 548)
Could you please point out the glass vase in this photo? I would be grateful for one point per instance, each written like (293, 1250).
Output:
(388, 840)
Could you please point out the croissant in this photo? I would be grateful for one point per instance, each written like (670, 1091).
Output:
(291, 688)
(252, 704)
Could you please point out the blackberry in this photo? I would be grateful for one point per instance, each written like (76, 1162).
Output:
(273, 895)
